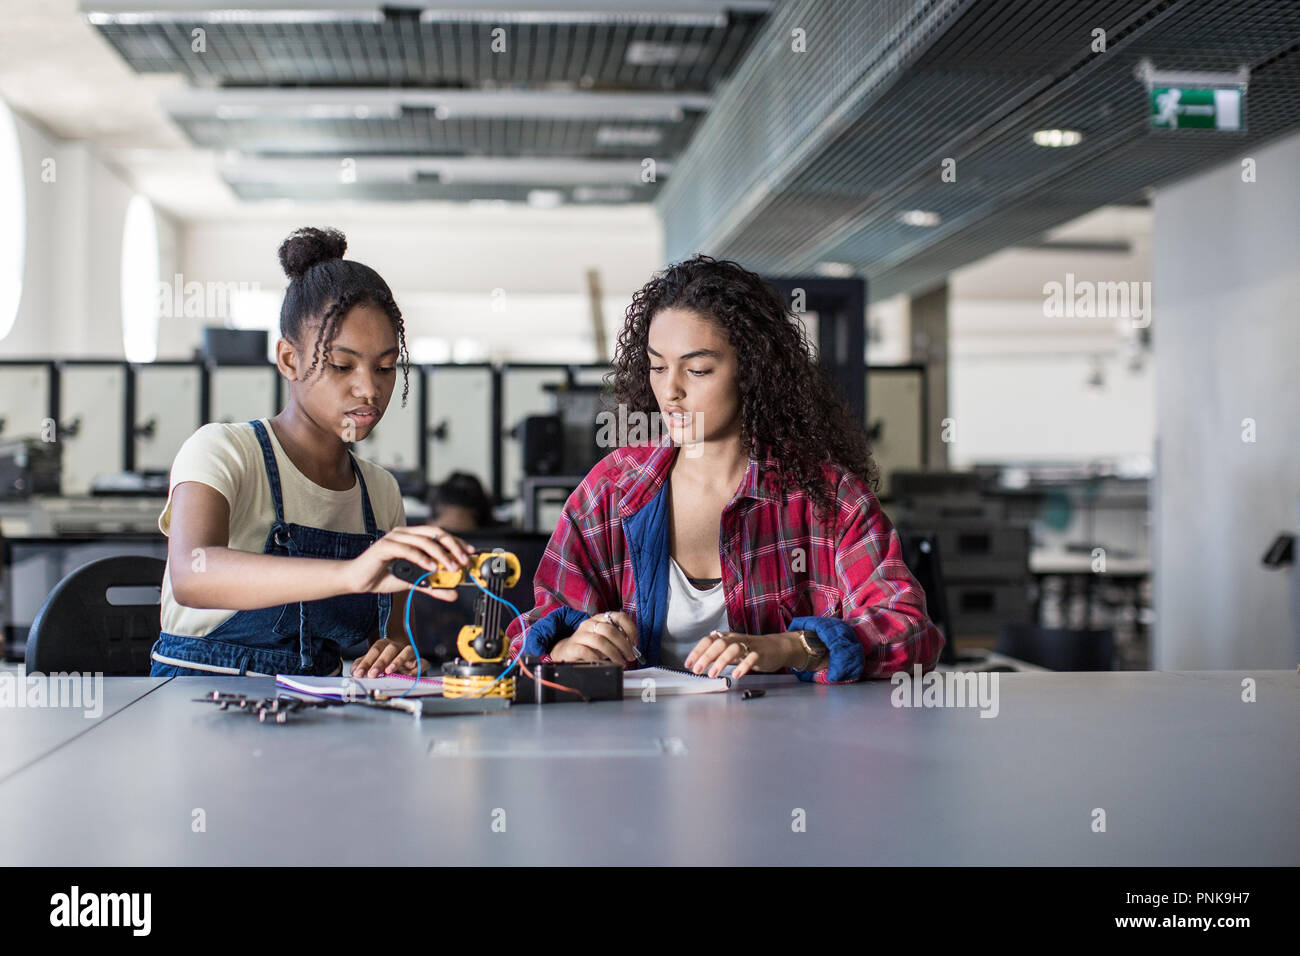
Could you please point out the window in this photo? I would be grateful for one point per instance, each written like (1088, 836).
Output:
(140, 282)
(13, 221)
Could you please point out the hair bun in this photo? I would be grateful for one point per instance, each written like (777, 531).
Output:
(308, 246)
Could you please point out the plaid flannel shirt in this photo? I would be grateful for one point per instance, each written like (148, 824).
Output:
(778, 562)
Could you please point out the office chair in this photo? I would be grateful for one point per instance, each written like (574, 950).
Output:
(921, 555)
(88, 625)
(1058, 649)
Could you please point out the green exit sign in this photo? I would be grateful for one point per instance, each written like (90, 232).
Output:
(1174, 107)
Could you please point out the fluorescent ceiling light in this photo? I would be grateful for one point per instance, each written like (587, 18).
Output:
(696, 13)
(303, 110)
(545, 198)
(575, 16)
(834, 270)
(919, 217)
(646, 53)
(1057, 137)
(603, 194)
(102, 17)
(628, 136)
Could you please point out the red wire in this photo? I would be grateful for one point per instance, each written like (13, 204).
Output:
(547, 683)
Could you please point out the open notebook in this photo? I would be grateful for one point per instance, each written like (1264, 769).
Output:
(665, 681)
(668, 681)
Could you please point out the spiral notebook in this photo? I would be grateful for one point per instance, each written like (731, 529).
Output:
(669, 681)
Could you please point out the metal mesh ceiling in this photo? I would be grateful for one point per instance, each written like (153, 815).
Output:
(402, 50)
(615, 53)
(973, 88)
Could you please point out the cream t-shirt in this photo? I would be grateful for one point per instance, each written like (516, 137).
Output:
(227, 457)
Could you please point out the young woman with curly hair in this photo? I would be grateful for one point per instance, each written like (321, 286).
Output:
(750, 535)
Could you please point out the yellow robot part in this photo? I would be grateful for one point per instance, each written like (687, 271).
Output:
(460, 577)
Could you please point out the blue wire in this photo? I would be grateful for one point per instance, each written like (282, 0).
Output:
(520, 656)
(410, 598)
(411, 637)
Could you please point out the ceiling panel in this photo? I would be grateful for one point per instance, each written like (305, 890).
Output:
(278, 81)
(969, 81)
(401, 49)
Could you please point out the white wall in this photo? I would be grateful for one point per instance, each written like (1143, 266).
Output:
(1226, 269)
(1017, 379)
(444, 266)
(1018, 387)
(443, 262)
(71, 302)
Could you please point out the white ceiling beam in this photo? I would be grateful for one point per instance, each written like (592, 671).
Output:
(329, 103)
(450, 169)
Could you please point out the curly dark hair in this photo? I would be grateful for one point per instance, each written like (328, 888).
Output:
(788, 407)
(323, 286)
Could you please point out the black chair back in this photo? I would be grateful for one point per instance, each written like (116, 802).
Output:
(921, 555)
(1058, 649)
(102, 618)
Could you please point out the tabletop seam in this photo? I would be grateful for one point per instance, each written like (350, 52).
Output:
(59, 746)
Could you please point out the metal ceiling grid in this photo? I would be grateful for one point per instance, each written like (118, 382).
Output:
(1123, 174)
(896, 145)
(986, 176)
(1000, 71)
(421, 131)
(779, 109)
(1119, 158)
(403, 50)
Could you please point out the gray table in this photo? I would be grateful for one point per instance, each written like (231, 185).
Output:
(29, 733)
(1187, 773)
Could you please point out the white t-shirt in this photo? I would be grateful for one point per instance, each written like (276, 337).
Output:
(227, 457)
(692, 613)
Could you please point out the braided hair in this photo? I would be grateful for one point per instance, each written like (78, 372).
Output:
(324, 286)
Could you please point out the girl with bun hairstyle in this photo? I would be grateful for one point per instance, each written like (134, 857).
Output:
(279, 538)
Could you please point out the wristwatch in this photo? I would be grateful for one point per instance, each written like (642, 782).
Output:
(814, 648)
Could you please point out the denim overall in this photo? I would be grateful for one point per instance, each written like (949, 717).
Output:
(302, 638)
